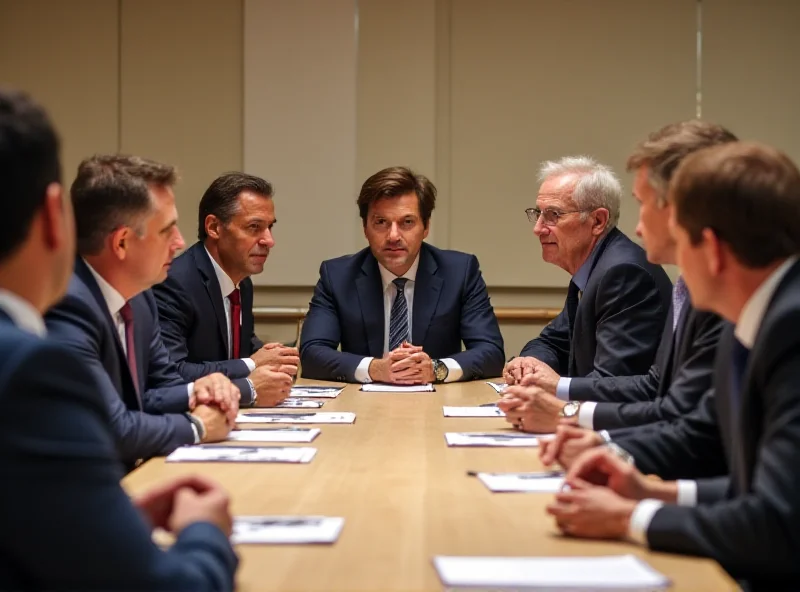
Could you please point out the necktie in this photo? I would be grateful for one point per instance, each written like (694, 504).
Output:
(573, 298)
(398, 319)
(679, 295)
(739, 356)
(126, 312)
(236, 320)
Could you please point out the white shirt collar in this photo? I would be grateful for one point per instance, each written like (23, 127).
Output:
(755, 308)
(226, 285)
(22, 313)
(387, 277)
(114, 300)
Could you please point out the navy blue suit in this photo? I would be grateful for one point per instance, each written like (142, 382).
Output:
(619, 320)
(67, 523)
(189, 302)
(451, 305)
(146, 425)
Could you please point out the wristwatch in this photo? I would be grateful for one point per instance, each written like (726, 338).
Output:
(440, 370)
(620, 452)
(571, 409)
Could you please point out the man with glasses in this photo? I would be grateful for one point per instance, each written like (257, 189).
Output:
(617, 302)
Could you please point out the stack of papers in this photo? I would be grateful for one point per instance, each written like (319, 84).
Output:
(499, 387)
(481, 411)
(285, 529)
(511, 439)
(318, 392)
(294, 402)
(378, 387)
(274, 435)
(617, 572)
(257, 454)
(318, 417)
(541, 482)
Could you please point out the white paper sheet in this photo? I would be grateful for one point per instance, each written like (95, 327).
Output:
(504, 439)
(541, 482)
(285, 529)
(617, 572)
(311, 417)
(316, 392)
(499, 387)
(274, 435)
(377, 387)
(295, 403)
(488, 411)
(221, 453)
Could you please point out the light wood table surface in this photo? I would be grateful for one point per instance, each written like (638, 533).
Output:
(405, 497)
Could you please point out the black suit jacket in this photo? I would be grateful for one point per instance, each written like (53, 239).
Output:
(67, 523)
(619, 319)
(148, 424)
(749, 523)
(193, 326)
(451, 305)
(673, 386)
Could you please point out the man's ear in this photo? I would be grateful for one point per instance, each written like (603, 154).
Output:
(55, 216)
(600, 221)
(213, 225)
(119, 242)
(714, 253)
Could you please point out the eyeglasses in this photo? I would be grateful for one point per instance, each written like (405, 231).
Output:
(549, 217)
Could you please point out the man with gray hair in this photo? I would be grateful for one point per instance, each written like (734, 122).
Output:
(617, 302)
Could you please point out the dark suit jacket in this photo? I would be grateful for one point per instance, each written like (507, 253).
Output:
(451, 305)
(148, 425)
(749, 523)
(189, 302)
(673, 386)
(619, 318)
(67, 523)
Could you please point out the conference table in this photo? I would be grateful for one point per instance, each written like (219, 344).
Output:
(405, 497)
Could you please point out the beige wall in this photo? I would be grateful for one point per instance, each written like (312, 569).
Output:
(473, 93)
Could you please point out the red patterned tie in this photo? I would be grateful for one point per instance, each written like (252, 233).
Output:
(236, 320)
(126, 312)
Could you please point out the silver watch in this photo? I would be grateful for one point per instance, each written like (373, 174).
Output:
(620, 452)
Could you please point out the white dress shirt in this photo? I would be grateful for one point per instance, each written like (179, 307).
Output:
(746, 331)
(227, 286)
(22, 313)
(389, 294)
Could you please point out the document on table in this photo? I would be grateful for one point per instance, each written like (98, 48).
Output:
(317, 392)
(615, 572)
(254, 454)
(540, 482)
(480, 411)
(499, 387)
(274, 435)
(509, 439)
(296, 403)
(285, 529)
(312, 417)
(379, 387)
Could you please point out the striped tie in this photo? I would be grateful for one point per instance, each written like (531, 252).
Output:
(398, 320)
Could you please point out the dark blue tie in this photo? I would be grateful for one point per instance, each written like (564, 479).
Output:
(739, 356)
(398, 319)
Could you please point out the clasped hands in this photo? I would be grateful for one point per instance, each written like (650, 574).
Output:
(529, 401)
(407, 364)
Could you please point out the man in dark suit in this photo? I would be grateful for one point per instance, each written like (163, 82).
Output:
(745, 268)
(617, 302)
(127, 234)
(681, 373)
(211, 281)
(397, 292)
(61, 501)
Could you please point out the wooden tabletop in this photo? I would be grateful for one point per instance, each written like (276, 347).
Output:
(405, 497)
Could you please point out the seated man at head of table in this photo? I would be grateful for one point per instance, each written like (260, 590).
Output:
(617, 301)
(127, 234)
(681, 373)
(205, 305)
(57, 453)
(397, 292)
(736, 222)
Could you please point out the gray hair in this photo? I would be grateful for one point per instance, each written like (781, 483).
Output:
(597, 186)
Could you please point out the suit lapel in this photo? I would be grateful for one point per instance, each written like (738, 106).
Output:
(427, 289)
(675, 348)
(370, 297)
(206, 269)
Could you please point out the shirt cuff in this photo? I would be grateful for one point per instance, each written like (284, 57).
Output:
(251, 365)
(190, 392)
(362, 371)
(454, 371)
(641, 518)
(605, 435)
(687, 492)
(562, 388)
(586, 414)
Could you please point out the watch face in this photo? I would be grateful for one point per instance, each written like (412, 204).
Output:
(440, 371)
(571, 409)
